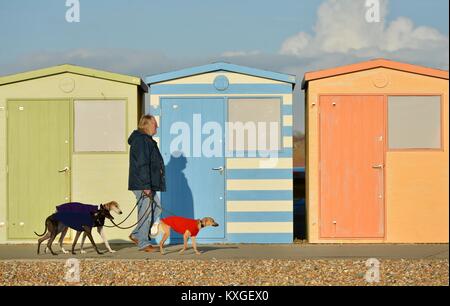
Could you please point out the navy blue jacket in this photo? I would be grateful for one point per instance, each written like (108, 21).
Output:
(76, 215)
(147, 170)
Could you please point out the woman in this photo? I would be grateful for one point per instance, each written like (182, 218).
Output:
(146, 175)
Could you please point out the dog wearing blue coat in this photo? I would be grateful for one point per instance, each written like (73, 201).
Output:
(80, 217)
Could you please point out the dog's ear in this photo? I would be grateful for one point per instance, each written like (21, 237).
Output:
(102, 206)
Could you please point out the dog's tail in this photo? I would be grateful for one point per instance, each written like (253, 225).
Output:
(45, 231)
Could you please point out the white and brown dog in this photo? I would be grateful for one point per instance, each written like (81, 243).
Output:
(189, 228)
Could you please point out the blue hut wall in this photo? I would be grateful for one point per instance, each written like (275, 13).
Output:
(252, 204)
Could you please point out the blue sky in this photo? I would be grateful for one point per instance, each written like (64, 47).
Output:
(177, 27)
(146, 37)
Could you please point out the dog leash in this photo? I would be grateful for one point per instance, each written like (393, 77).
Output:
(137, 203)
(144, 216)
(154, 205)
(128, 227)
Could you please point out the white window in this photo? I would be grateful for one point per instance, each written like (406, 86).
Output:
(254, 124)
(414, 122)
(100, 126)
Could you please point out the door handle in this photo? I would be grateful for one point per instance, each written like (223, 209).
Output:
(378, 166)
(218, 169)
(66, 169)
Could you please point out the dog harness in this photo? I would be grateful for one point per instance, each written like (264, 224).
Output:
(76, 215)
(181, 225)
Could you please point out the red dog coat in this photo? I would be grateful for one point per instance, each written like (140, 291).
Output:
(181, 225)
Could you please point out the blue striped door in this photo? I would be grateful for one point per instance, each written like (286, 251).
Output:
(194, 188)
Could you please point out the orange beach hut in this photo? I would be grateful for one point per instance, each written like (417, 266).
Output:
(377, 166)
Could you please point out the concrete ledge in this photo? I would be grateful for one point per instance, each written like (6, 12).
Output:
(241, 251)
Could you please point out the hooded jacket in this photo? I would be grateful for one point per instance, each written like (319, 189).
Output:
(146, 170)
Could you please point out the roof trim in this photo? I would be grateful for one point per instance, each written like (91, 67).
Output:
(100, 74)
(220, 66)
(372, 64)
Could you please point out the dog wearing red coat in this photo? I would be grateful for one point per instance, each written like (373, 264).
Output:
(189, 228)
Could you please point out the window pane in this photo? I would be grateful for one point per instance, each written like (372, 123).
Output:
(100, 126)
(254, 124)
(414, 122)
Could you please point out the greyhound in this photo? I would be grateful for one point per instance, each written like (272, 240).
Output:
(96, 219)
(189, 228)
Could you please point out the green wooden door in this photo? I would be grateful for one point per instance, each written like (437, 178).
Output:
(38, 149)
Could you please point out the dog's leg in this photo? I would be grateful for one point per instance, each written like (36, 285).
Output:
(56, 229)
(88, 231)
(47, 249)
(47, 236)
(101, 231)
(61, 240)
(185, 239)
(52, 228)
(194, 245)
(50, 241)
(83, 238)
(166, 233)
(77, 235)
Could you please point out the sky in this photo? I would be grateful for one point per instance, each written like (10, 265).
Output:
(144, 37)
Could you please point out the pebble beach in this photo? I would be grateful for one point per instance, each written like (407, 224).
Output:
(274, 272)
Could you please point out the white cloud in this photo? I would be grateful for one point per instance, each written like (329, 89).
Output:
(341, 28)
(401, 34)
(294, 45)
(126, 61)
(240, 53)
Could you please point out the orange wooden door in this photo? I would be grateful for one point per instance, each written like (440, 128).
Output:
(352, 138)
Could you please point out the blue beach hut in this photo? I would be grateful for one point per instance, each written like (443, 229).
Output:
(226, 138)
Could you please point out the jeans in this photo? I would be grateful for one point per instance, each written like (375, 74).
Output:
(142, 230)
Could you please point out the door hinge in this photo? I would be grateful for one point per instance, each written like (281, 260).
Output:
(6, 169)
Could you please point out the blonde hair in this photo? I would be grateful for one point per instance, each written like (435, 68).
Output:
(144, 122)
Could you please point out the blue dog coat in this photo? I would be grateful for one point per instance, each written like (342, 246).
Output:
(76, 215)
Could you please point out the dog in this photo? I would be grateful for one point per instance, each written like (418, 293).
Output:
(189, 228)
(87, 217)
